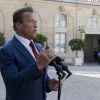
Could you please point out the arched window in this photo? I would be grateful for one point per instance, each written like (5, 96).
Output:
(60, 32)
(92, 22)
(92, 25)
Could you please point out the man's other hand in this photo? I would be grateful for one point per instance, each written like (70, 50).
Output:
(53, 84)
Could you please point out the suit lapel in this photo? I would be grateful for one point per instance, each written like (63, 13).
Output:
(22, 49)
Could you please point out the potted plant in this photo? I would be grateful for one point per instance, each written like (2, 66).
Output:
(2, 39)
(40, 38)
(77, 45)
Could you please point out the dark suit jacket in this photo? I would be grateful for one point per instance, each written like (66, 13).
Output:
(21, 76)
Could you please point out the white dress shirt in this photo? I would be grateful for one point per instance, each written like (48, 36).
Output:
(26, 43)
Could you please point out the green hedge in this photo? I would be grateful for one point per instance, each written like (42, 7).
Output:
(2, 39)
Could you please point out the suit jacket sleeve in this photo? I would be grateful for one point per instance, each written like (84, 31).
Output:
(14, 78)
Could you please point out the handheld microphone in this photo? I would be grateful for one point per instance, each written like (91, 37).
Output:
(59, 65)
(56, 66)
(58, 69)
(64, 67)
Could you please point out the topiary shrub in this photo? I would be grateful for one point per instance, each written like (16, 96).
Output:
(76, 45)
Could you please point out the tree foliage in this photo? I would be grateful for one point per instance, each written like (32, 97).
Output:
(40, 38)
(2, 39)
(76, 45)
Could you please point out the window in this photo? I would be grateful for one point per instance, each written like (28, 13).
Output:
(60, 32)
(60, 42)
(61, 21)
(92, 22)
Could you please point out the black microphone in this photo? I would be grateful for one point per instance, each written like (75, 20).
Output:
(59, 65)
(64, 67)
(56, 66)
(58, 69)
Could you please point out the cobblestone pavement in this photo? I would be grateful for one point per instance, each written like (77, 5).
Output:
(84, 84)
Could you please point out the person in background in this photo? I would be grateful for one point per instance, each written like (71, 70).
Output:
(95, 54)
(23, 62)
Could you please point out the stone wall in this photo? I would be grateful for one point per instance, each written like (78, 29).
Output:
(46, 10)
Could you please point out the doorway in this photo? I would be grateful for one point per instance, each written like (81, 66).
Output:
(92, 47)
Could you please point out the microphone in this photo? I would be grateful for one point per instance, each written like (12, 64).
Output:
(58, 69)
(64, 67)
(56, 66)
(59, 65)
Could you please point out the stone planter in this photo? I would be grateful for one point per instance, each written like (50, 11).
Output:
(78, 61)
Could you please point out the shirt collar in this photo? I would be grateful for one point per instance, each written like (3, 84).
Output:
(23, 40)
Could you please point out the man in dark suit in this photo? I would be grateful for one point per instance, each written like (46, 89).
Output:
(23, 62)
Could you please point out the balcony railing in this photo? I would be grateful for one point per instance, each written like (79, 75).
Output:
(89, 2)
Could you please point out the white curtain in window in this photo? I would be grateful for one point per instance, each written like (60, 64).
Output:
(60, 42)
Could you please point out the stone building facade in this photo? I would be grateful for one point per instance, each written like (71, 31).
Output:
(60, 21)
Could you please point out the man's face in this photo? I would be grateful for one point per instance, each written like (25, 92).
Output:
(28, 26)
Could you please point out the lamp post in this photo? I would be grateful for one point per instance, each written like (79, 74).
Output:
(82, 32)
(82, 36)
